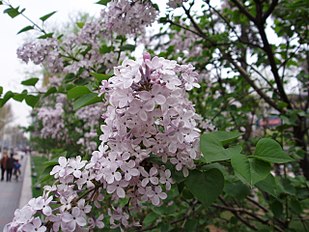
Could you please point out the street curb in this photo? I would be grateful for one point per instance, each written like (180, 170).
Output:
(26, 191)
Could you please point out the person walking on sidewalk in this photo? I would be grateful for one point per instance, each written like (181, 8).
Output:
(16, 169)
(9, 167)
(3, 164)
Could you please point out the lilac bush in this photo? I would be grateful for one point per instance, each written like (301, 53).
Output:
(156, 125)
(145, 171)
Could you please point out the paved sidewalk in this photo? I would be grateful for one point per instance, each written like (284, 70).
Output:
(11, 192)
(26, 191)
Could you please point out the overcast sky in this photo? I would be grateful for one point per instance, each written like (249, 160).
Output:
(12, 70)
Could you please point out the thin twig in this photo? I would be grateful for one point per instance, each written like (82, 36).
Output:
(26, 17)
(243, 9)
(271, 8)
(257, 204)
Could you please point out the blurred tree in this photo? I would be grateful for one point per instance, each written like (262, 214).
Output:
(258, 49)
(6, 116)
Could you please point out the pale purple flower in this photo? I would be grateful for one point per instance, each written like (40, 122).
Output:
(118, 188)
(73, 219)
(129, 170)
(75, 165)
(96, 222)
(86, 178)
(149, 177)
(165, 178)
(24, 215)
(60, 170)
(41, 204)
(112, 175)
(83, 207)
(66, 203)
(140, 108)
(153, 97)
(156, 195)
(117, 215)
(35, 225)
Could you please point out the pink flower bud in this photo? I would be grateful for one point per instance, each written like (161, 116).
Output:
(146, 56)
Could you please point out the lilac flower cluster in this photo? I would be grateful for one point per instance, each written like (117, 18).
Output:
(90, 116)
(129, 17)
(185, 41)
(52, 122)
(149, 122)
(45, 52)
(65, 56)
(59, 206)
(71, 54)
(150, 112)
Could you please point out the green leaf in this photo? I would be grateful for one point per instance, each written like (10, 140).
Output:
(105, 49)
(100, 77)
(287, 187)
(32, 100)
(213, 150)
(51, 163)
(13, 12)
(30, 82)
(20, 96)
(69, 77)
(77, 92)
(296, 206)
(277, 208)
(163, 20)
(236, 189)
(45, 17)
(269, 150)
(250, 171)
(1, 90)
(269, 185)
(225, 137)
(85, 100)
(191, 225)
(129, 47)
(45, 36)
(46, 178)
(103, 2)
(27, 28)
(205, 186)
(8, 95)
(150, 218)
(80, 24)
(50, 91)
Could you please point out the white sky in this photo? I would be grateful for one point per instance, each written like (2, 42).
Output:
(12, 69)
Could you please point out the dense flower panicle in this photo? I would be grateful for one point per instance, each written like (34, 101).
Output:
(149, 117)
(149, 122)
(129, 17)
(52, 122)
(185, 42)
(45, 52)
(68, 54)
(54, 81)
(81, 53)
(91, 117)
